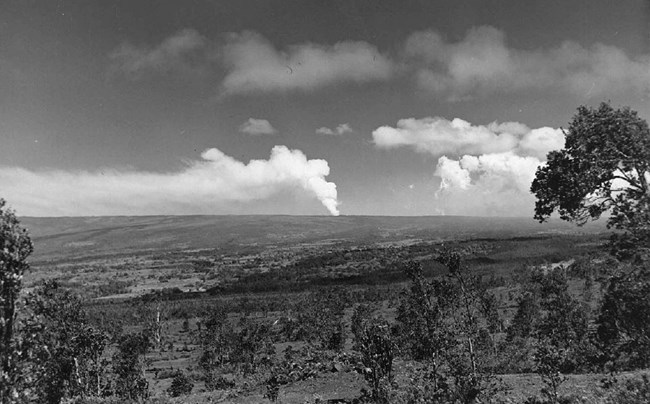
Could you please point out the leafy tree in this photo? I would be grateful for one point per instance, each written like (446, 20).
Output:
(421, 317)
(374, 341)
(526, 317)
(624, 322)
(15, 247)
(604, 166)
(128, 365)
(474, 315)
(66, 350)
(446, 324)
(213, 339)
(251, 346)
(319, 318)
(243, 348)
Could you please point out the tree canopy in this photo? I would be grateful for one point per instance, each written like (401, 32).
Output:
(603, 167)
(15, 247)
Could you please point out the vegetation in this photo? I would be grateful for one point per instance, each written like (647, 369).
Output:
(181, 385)
(374, 341)
(15, 247)
(604, 166)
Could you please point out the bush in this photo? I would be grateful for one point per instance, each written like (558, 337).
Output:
(218, 382)
(181, 385)
(128, 365)
(633, 391)
(373, 340)
(624, 321)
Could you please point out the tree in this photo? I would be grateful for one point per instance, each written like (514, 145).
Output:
(66, 350)
(374, 341)
(603, 167)
(446, 325)
(128, 365)
(624, 322)
(15, 247)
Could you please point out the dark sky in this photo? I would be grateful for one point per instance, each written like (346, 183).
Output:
(108, 107)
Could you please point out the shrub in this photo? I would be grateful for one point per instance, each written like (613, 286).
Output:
(181, 385)
(373, 340)
(624, 321)
(218, 382)
(128, 365)
(633, 391)
(66, 350)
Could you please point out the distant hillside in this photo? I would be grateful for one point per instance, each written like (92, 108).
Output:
(77, 237)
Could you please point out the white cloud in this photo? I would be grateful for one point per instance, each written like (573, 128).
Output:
(180, 53)
(486, 185)
(253, 64)
(438, 136)
(339, 130)
(453, 175)
(482, 63)
(257, 127)
(209, 185)
(483, 169)
(538, 142)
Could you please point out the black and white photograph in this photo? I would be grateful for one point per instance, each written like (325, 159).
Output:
(325, 201)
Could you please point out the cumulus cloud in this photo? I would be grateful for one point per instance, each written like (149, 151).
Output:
(253, 64)
(440, 136)
(483, 63)
(182, 52)
(483, 169)
(209, 185)
(339, 130)
(494, 184)
(257, 127)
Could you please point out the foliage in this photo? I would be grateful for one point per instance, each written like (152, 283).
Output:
(318, 317)
(632, 391)
(564, 324)
(128, 366)
(218, 382)
(251, 346)
(554, 326)
(474, 318)
(447, 324)
(421, 316)
(15, 247)
(66, 350)
(273, 384)
(604, 166)
(549, 360)
(624, 321)
(373, 340)
(244, 347)
(152, 314)
(181, 385)
(526, 317)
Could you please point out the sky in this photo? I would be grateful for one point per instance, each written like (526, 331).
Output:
(318, 107)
